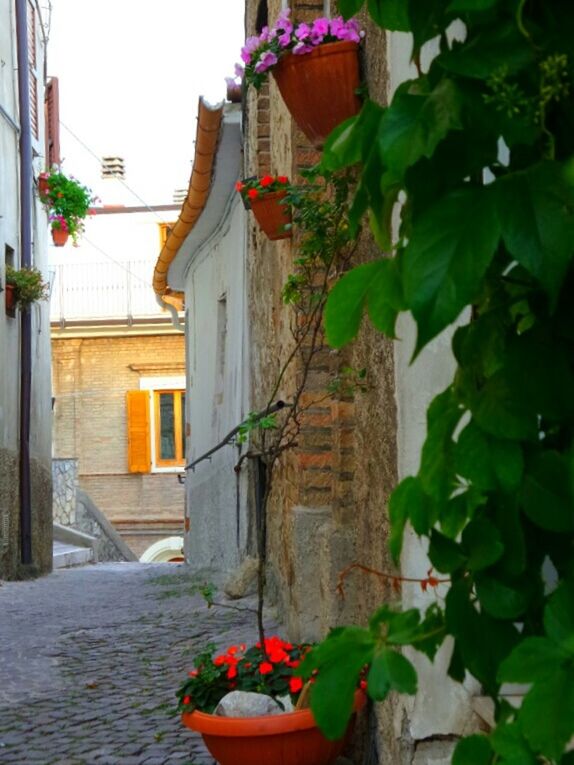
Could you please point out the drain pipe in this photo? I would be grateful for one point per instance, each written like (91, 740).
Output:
(26, 174)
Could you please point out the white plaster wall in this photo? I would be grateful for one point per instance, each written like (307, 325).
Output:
(441, 706)
(10, 235)
(217, 537)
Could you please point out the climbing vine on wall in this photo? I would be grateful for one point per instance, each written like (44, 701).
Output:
(479, 151)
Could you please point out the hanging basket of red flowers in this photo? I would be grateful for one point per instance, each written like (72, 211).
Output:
(291, 738)
(266, 198)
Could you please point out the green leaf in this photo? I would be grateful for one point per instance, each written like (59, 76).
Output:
(508, 742)
(508, 462)
(450, 248)
(414, 125)
(481, 641)
(502, 599)
(499, 412)
(390, 14)
(493, 48)
(559, 616)
(349, 8)
(547, 713)
(385, 297)
(353, 140)
(428, 18)
(437, 462)
(531, 660)
(473, 459)
(390, 671)
(445, 555)
(483, 544)
(457, 6)
(407, 498)
(375, 284)
(546, 492)
(536, 209)
(473, 750)
(339, 659)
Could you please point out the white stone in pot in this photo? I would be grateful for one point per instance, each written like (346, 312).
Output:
(247, 704)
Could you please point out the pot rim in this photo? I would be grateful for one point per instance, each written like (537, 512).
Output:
(266, 725)
(324, 49)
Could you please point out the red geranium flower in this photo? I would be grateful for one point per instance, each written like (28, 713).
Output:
(232, 672)
(239, 186)
(267, 180)
(295, 684)
(282, 179)
(253, 193)
(265, 668)
(187, 699)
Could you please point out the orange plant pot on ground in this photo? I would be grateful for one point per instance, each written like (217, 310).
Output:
(288, 739)
(319, 88)
(272, 216)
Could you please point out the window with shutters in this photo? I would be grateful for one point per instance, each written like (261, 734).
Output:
(52, 118)
(34, 75)
(156, 425)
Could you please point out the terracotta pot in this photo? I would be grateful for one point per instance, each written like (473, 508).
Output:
(289, 739)
(43, 186)
(319, 88)
(271, 215)
(10, 297)
(59, 237)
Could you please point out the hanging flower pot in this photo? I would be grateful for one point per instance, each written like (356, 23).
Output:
(283, 739)
(10, 297)
(316, 67)
(263, 196)
(320, 88)
(43, 185)
(59, 236)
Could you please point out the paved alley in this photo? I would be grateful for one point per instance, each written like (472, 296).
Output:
(90, 659)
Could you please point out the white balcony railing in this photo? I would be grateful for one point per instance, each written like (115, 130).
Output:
(99, 291)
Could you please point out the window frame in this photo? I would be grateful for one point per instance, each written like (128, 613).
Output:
(162, 385)
(178, 429)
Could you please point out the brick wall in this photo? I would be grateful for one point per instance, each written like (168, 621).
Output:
(328, 505)
(90, 380)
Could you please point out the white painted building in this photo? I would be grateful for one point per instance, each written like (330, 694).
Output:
(206, 267)
(21, 216)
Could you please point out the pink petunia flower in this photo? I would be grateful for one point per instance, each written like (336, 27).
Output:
(267, 60)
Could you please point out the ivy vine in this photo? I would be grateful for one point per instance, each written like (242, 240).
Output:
(479, 150)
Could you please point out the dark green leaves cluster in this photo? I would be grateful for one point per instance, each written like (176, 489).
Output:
(350, 654)
(467, 182)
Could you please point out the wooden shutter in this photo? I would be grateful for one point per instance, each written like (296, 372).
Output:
(52, 112)
(33, 66)
(139, 447)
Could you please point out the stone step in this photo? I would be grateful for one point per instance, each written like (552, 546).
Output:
(67, 555)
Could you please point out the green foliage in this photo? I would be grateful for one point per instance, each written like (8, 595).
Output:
(479, 151)
(29, 285)
(68, 201)
(255, 421)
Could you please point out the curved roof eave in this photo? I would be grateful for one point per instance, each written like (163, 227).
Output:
(215, 170)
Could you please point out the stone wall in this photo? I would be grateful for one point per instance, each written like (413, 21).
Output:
(65, 480)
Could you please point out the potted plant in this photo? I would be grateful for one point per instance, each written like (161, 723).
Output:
(316, 67)
(23, 287)
(288, 738)
(265, 197)
(68, 202)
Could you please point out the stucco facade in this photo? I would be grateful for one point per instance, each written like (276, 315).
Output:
(10, 328)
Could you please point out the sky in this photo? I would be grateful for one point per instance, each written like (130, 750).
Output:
(130, 75)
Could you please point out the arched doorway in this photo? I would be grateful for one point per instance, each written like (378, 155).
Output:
(169, 550)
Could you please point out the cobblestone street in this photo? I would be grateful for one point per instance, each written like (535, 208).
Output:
(90, 659)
